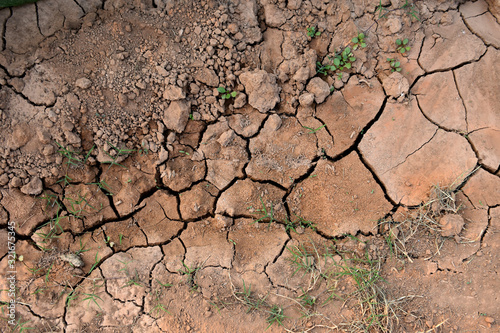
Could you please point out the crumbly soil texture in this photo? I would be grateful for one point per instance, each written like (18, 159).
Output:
(250, 166)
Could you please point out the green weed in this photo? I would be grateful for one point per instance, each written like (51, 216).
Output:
(267, 214)
(226, 94)
(275, 316)
(358, 41)
(402, 45)
(312, 32)
(395, 65)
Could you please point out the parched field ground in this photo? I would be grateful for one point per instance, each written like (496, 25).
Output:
(250, 166)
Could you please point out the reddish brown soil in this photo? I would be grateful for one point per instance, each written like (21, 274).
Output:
(363, 200)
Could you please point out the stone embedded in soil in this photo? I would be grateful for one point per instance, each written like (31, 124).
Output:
(176, 115)
(206, 76)
(319, 88)
(262, 89)
(244, 197)
(206, 246)
(256, 244)
(270, 56)
(246, 121)
(134, 265)
(34, 187)
(198, 201)
(26, 211)
(282, 151)
(340, 197)
(396, 85)
(83, 83)
(173, 93)
(481, 22)
(225, 153)
(451, 224)
(439, 100)
(346, 113)
(247, 11)
(481, 79)
(96, 245)
(455, 45)
(159, 217)
(483, 189)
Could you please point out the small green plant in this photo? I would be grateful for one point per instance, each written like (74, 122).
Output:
(266, 214)
(227, 94)
(93, 298)
(359, 41)
(312, 32)
(402, 45)
(275, 316)
(343, 60)
(395, 65)
(307, 300)
(246, 298)
(190, 272)
(314, 130)
(20, 326)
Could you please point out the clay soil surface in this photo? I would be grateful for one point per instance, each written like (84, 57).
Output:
(250, 166)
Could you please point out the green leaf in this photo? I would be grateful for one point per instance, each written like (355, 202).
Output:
(398, 69)
(225, 96)
(361, 36)
(363, 44)
(336, 61)
(405, 41)
(318, 33)
(234, 93)
(398, 64)
(351, 59)
(347, 50)
(402, 50)
(355, 40)
(348, 65)
(407, 48)
(222, 90)
(398, 41)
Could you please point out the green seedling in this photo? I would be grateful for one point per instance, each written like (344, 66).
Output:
(164, 285)
(314, 130)
(20, 326)
(299, 222)
(301, 259)
(48, 273)
(275, 316)
(246, 298)
(410, 10)
(395, 65)
(359, 41)
(227, 94)
(93, 298)
(55, 228)
(159, 306)
(312, 32)
(134, 281)
(307, 300)
(266, 214)
(323, 69)
(402, 45)
(96, 262)
(190, 273)
(71, 297)
(343, 59)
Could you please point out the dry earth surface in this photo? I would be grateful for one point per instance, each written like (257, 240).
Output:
(312, 199)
